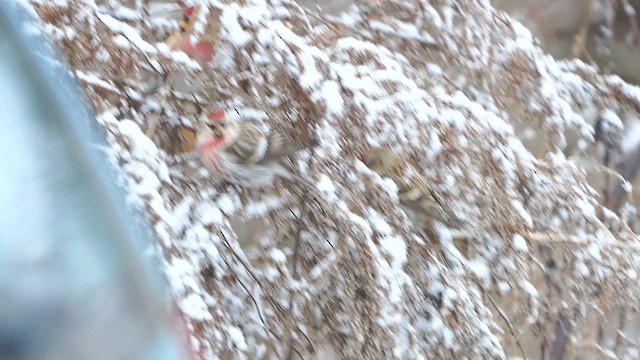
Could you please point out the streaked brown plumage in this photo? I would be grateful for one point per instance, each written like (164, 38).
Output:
(245, 153)
(417, 198)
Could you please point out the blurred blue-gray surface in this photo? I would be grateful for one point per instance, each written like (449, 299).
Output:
(73, 281)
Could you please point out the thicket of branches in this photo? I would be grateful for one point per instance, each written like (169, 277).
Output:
(455, 86)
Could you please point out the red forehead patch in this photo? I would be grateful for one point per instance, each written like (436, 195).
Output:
(216, 115)
(187, 10)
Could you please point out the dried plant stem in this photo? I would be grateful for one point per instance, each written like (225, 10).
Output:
(511, 329)
(294, 266)
(154, 118)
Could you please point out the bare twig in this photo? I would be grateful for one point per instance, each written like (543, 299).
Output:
(563, 329)
(242, 284)
(153, 119)
(565, 239)
(511, 330)
(296, 254)
(601, 168)
(629, 174)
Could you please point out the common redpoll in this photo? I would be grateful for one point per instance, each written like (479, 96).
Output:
(244, 153)
(417, 198)
(202, 51)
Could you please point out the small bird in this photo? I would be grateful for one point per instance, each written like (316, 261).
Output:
(246, 154)
(417, 198)
(201, 51)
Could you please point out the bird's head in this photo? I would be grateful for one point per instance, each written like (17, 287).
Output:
(215, 131)
(379, 159)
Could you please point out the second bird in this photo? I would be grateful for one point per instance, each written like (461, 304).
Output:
(417, 198)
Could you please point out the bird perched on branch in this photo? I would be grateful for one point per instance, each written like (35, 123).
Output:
(245, 153)
(417, 198)
(200, 51)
